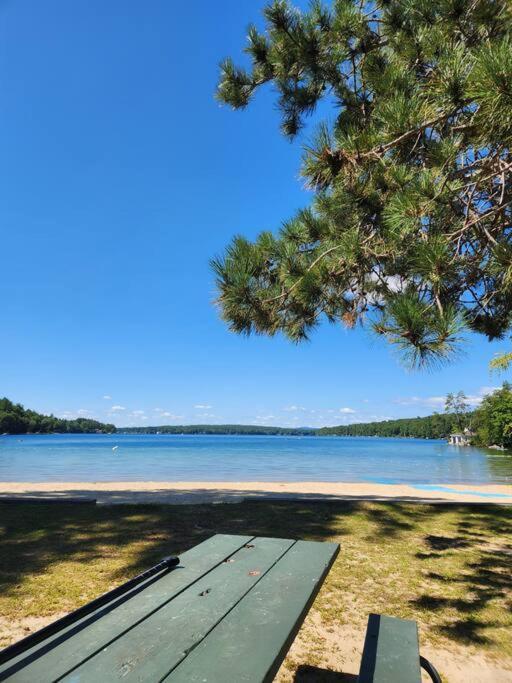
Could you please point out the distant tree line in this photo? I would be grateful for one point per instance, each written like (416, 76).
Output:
(15, 419)
(436, 426)
(489, 425)
(219, 429)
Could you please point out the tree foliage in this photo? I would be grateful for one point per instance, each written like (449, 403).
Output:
(457, 404)
(15, 419)
(493, 419)
(436, 426)
(409, 229)
(501, 362)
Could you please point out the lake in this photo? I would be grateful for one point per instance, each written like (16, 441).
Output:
(162, 457)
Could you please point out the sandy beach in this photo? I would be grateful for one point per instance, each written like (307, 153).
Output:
(224, 492)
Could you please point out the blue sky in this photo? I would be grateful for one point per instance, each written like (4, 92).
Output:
(120, 177)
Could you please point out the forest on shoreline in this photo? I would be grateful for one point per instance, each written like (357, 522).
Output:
(15, 419)
(490, 424)
(437, 426)
(240, 430)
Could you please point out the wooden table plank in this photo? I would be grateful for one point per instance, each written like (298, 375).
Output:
(72, 645)
(250, 643)
(150, 650)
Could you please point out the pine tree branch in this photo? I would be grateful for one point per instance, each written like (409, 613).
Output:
(308, 270)
(475, 180)
(379, 151)
(434, 194)
(487, 214)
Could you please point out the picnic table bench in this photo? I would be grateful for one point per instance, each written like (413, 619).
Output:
(391, 652)
(228, 612)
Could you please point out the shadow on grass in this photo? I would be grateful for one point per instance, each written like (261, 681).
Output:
(446, 542)
(33, 538)
(485, 577)
(392, 520)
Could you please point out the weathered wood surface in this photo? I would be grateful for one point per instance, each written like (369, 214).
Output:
(229, 594)
(67, 649)
(391, 651)
(253, 639)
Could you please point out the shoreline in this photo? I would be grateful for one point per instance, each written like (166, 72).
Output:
(301, 435)
(111, 492)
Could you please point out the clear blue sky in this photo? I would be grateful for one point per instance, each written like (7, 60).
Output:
(120, 176)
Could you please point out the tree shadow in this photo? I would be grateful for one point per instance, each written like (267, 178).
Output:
(485, 577)
(313, 674)
(391, 520)
(197, 495)
(468, 631)
(446, 542)
(34, 538)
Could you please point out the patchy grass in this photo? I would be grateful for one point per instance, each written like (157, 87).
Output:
(447, 566)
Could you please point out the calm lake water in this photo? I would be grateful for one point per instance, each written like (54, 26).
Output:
(84, 457)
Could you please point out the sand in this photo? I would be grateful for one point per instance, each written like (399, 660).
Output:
(339, 649)
(226, 492)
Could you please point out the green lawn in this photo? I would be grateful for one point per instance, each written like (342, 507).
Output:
(448, 567)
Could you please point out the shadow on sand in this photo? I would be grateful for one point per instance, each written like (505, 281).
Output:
(313, 674)
(197, 495)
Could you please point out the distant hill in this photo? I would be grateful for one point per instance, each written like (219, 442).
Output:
(219, 429)
(15, 419)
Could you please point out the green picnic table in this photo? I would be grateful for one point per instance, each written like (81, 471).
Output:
(228, 612)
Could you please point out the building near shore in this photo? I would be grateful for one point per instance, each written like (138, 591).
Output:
(461, 438)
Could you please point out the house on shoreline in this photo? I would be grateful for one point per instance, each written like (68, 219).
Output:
(461, 438)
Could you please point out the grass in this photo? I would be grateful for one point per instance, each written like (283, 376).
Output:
(447, 566)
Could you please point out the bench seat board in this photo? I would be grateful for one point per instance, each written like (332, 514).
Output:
(62, 652)
(391, 651)
(149, 650)
(252, 640)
